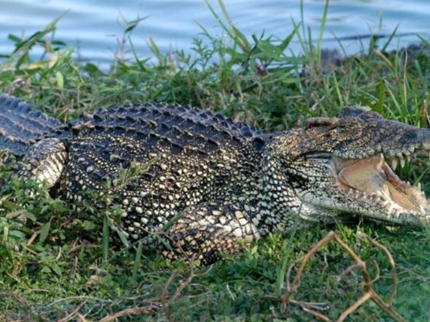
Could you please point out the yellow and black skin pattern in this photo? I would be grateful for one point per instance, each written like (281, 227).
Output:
(193, 184)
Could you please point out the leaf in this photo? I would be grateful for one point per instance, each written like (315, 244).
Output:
(60, 79)
(56, 269)
(133, 24)
(105, 238)
(37, 36)
(44, 231)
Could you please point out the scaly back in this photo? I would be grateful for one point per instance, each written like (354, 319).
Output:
(21, 126)
(184, 126)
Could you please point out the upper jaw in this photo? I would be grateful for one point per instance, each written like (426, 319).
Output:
(401, 158)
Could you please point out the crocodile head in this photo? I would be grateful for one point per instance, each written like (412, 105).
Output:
(346, 165)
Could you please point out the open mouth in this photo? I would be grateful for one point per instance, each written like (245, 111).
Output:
(374, 177)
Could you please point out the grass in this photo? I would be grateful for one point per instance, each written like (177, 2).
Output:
(55, 265)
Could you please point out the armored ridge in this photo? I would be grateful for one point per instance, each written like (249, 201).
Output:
(21, 126)
(203, 182)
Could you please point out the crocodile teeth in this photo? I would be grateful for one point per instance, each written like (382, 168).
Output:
(394, 163)
(402, 162)
(379, 195)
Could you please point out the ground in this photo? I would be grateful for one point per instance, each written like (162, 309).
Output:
(56, 265)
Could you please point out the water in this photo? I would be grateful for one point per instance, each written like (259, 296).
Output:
(95, 27)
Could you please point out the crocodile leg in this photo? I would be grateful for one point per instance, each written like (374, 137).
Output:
(207, 231)
(44, 162)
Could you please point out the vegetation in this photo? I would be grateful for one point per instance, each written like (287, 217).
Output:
(57, 265)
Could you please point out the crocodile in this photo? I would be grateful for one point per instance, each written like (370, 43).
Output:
(193, 184)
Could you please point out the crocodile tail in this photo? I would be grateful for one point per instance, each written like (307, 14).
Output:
(21, 125)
